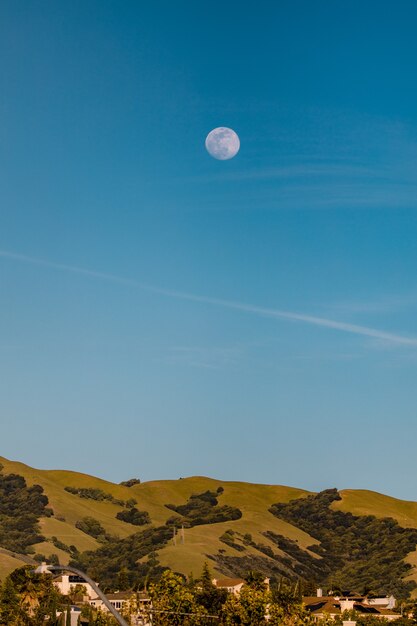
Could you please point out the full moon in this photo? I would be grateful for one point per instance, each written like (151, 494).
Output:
(222, 143)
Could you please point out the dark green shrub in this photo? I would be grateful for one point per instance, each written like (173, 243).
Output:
(134, 516)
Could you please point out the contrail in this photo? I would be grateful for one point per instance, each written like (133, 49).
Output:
(354, 329)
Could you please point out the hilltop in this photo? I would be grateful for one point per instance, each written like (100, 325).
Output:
(235, 526)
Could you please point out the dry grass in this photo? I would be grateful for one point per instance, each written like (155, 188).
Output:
(362, 502)
(253, 500)
(8, 564)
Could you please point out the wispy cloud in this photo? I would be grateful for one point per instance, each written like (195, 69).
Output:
(387, 304)
(260, 311)
(329, 159)
(297, 171)
(308, 186)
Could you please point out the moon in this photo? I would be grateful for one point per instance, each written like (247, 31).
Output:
(222, 143)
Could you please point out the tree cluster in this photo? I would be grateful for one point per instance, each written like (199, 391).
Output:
(91, 493)
(203, 508)
(131, 482)
(126, 554)
(176, 602)
(134, 516)
(358, 553)
(20, 509)
(28, 599)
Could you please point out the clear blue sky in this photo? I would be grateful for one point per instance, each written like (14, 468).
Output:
(158, 335)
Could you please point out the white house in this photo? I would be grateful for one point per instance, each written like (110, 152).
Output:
(233, 585)
(75, 614)
(66, 584)
(334, 606)
(382, 602)
(121, 601)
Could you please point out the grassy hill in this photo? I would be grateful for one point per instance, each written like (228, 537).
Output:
(363, 502)
(253, 500)
(228, 545)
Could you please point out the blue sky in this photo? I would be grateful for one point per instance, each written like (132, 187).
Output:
(165, 314)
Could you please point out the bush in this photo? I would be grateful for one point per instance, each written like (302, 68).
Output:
(92, 527)
(20, 509)
(134, 516)
(91, 493)
(131, 482)
(203, 508)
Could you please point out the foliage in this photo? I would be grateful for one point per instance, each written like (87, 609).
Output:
(134, 516)
(96, 617)
(401, 621)
(20, 509)
(63, 546)
(77, 593)
(228, 537)
(239, 565)
(9, 603)
(209, 596)
(246, 609)
(255, 580)
(105, 563)
(349, 556)
(348, 551)
(53, 558)
(174, 604)
(28, 599)
(358, 551)
(292, 614)
(409, 610)
(286, 593)
(92, 527)
(256, 604)
(300, 561)
(91, 493)
(131, 482)
(203, 508)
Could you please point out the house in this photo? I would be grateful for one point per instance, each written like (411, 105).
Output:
(382, 602)
(119, 600)
(75, 614)
(123, 600)
(66, 584)
(233, 585)
(334, 606)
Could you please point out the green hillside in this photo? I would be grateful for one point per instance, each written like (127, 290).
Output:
(235, 526)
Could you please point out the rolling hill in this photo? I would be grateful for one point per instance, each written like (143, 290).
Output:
(235, 526)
